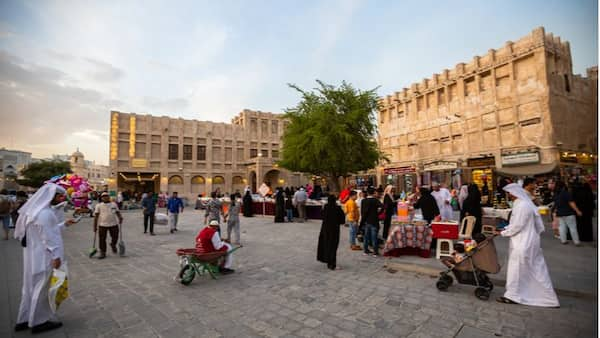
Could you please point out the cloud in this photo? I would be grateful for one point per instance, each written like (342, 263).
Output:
(156, 105)
(40, 108)
(104, 72)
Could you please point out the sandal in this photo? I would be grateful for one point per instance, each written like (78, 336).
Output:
(505, 300)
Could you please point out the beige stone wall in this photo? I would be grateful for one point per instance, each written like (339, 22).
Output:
(233, 152)
(509, 99)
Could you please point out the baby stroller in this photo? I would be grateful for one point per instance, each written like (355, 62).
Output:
(473, 269)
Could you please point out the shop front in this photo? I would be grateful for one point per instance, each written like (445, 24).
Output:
(363, 181)
(403, 179)
(443, 172)
(579, 164)
(481, 171)
(138, 182)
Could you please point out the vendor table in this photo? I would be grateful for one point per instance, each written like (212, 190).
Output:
(408, 239)
(312, 211)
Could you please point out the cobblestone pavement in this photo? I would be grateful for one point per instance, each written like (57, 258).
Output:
(279, 289)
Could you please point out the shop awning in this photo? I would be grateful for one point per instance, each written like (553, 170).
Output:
(528, 170)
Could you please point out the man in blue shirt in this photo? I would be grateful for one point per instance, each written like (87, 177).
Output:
(174, 207)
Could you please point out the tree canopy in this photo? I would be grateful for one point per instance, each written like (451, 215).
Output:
(36, 174)
(331, 132)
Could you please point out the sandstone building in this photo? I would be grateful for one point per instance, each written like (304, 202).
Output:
(517, 110)
(151, 153)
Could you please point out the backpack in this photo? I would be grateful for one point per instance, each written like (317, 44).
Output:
(4, 205)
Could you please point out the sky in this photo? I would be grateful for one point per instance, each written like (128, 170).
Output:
(64, 65)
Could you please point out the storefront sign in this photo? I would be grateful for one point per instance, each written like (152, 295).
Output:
(440, 165)
(481, 162)
(400, 170)
(139, 163)
(522, 158)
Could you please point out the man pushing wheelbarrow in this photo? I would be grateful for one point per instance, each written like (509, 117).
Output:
(211, 255)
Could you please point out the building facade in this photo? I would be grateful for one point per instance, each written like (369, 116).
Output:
(515, 111)
(162, 154)
(11, 164)
(96, 174)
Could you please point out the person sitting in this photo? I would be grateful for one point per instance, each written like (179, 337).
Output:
(209, 241)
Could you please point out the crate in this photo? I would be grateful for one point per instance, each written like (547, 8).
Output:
(445, 230)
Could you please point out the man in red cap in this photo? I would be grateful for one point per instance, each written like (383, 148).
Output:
(209, 240)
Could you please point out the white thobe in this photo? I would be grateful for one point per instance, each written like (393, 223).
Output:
(527, 278)
(218, 244)
(44, 243)
(441, 197)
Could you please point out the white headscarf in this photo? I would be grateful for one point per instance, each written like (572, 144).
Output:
(29, 211)
(463, 194)
(520, 193)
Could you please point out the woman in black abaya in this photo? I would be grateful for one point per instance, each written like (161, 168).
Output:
(247, 202)
(329, 237)
(279, 206)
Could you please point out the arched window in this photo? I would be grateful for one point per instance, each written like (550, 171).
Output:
(237, 180)
(218, 180)
(198, 180)
(175, 180)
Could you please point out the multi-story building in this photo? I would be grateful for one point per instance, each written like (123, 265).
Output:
(162, 154)
(11, 164)
(515, 111)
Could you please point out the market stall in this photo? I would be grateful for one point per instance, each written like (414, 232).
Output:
(408, 238)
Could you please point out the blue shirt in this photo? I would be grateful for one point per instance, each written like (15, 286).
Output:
(173, 205)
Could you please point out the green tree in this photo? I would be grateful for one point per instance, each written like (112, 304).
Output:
(331, 132)
(36, 174)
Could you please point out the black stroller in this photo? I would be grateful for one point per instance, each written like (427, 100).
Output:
(473, 269)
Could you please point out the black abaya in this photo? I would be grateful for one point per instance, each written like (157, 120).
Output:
(329, 237)
(248, 208)
(584, 199)
(279, 207)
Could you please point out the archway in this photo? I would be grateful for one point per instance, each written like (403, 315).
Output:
(219, 183)
(237, 184)
(175, 185)
(198, 185)
(272, 179)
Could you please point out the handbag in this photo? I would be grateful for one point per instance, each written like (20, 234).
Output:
(381, 215)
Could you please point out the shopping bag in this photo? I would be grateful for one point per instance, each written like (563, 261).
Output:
(59, 287)
(161, 219)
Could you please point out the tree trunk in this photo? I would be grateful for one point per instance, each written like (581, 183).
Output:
(335, 180)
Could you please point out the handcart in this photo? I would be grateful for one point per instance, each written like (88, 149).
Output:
(194, 261)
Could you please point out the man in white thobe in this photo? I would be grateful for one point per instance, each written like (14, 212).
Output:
(442, 198)
(527, 278)
(40, 223)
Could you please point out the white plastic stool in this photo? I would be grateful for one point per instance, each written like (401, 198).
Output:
(444, 247)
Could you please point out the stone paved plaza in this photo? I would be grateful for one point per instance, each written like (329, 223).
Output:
(278, 290)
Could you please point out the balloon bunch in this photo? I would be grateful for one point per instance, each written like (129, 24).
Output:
(77, 188)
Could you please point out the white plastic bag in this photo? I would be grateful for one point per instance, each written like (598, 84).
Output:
(161, 219)
(59, 287)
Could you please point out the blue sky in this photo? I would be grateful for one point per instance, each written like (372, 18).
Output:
(65, 64)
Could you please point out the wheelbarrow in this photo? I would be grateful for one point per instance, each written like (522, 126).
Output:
(195, 262)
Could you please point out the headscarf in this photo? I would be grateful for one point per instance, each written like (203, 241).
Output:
(520, 193)
(31, 209)
(331, 202)
(463, 194)
(388, 190)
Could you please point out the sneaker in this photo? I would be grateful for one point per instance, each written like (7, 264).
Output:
(21, 326)
(175, 229)
(102, 256)
(47, 326)
(172, 231)
(226, 271)
(145, 232)
(376, 255)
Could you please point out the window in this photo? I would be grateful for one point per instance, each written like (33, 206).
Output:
(201, 153)
(240, 154)
(400, 113)
(219, 180)
(197, 180)
(187, 152)
(253, 153)
(275, 153)
(173, 151)
(175, 180)
(567, 87)
(274, 127)
(228, 155)
(265, 153)
(264, 126)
